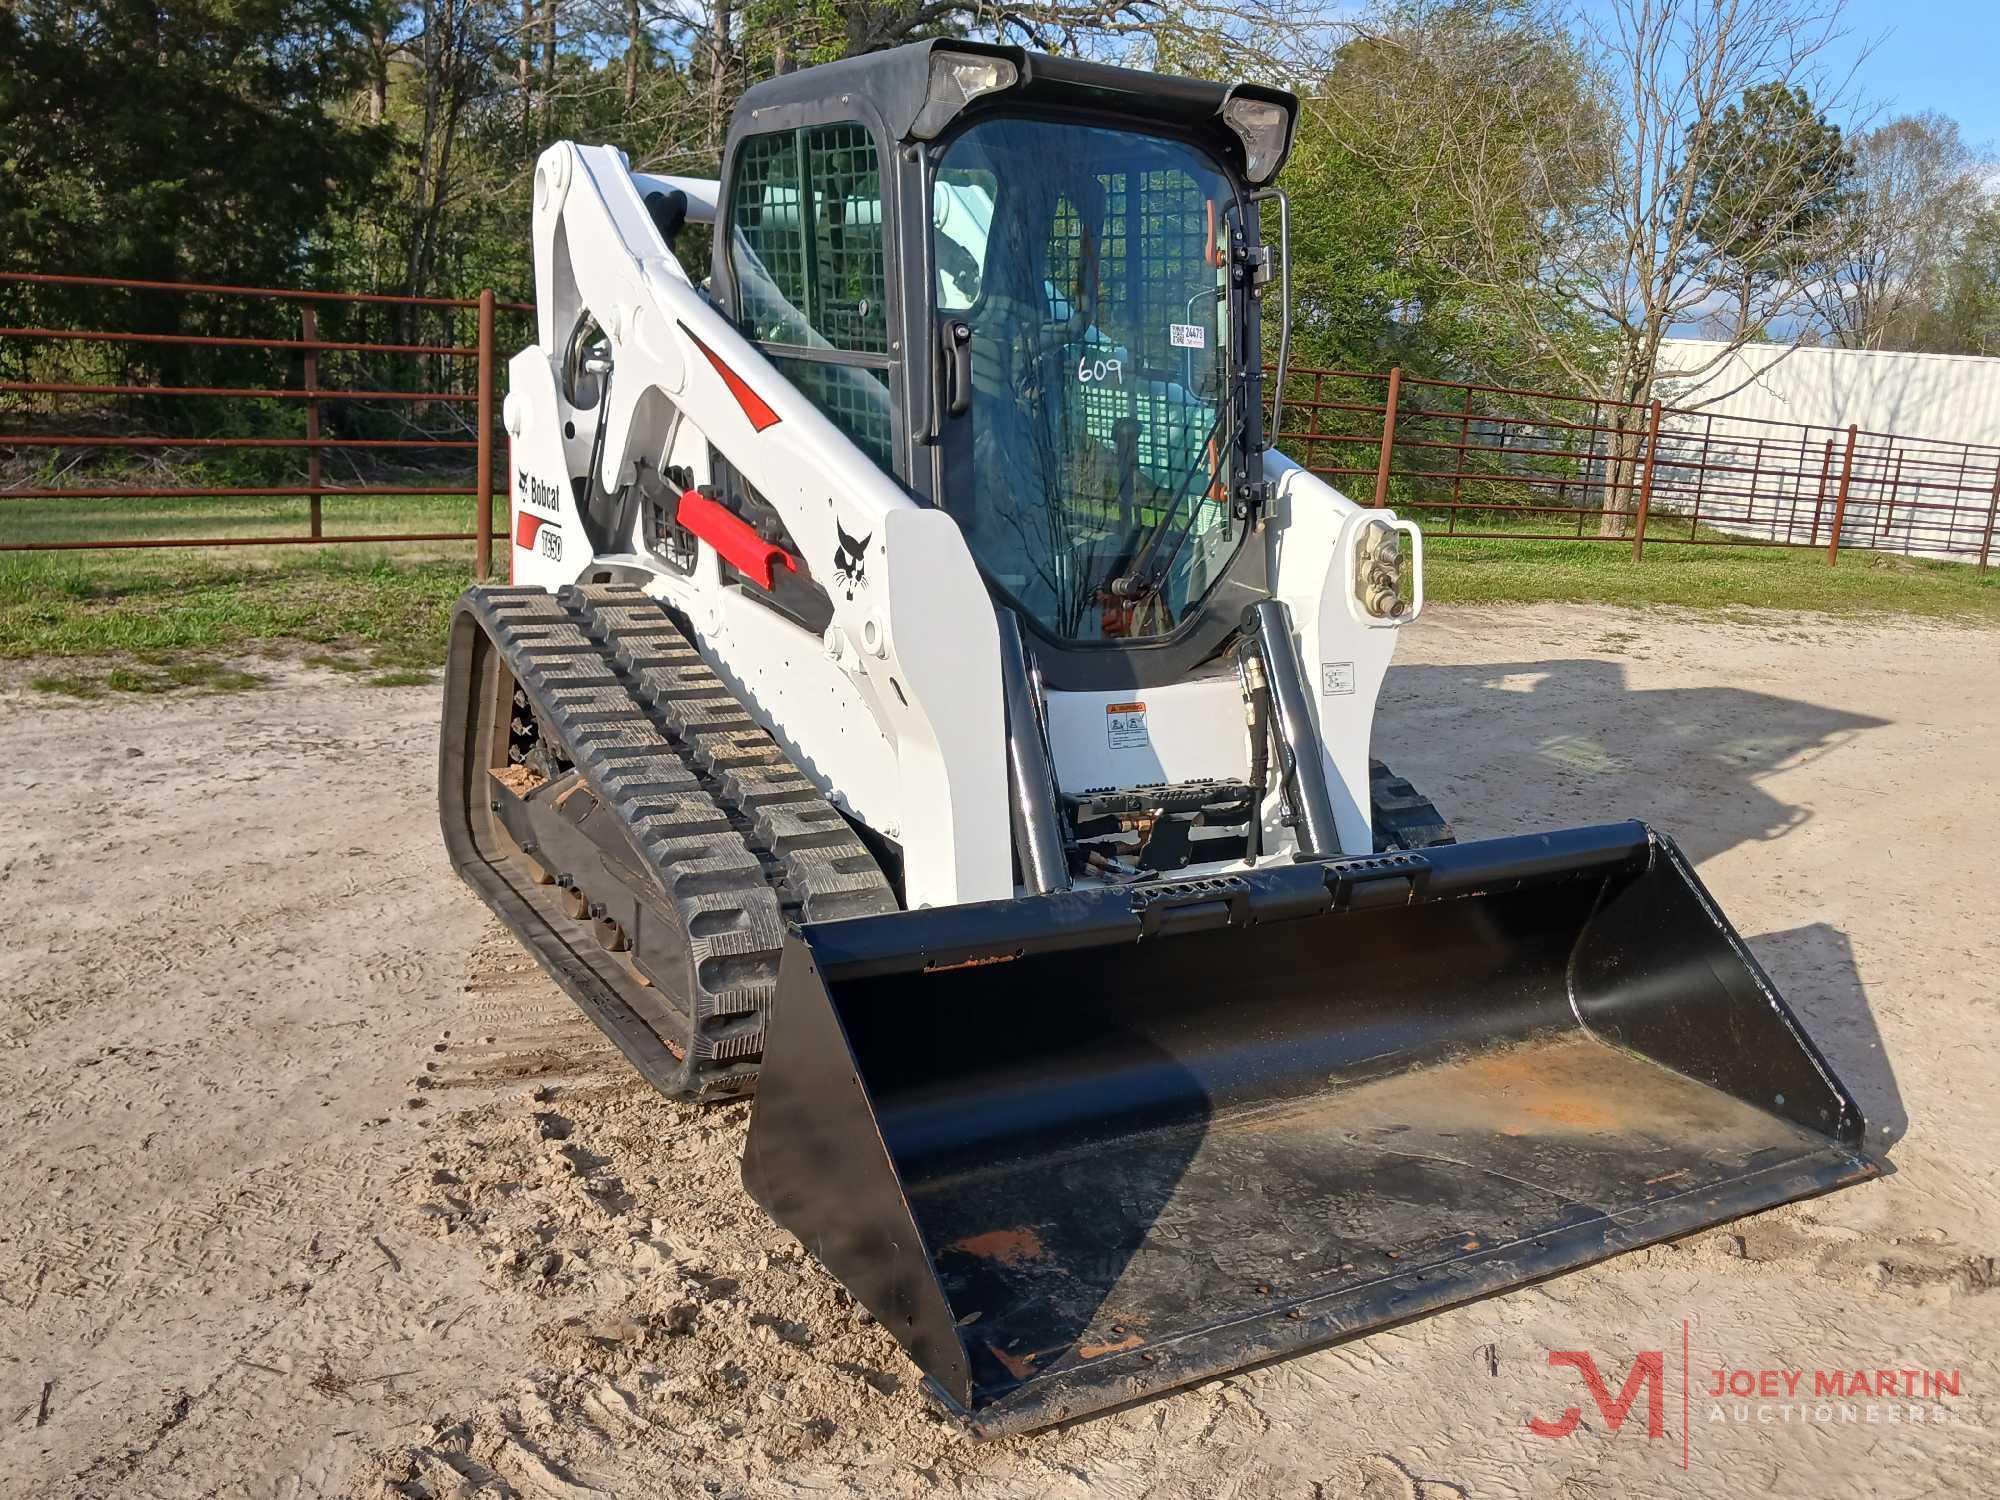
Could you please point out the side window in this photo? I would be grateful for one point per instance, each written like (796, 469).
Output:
(814, 278)
(766, 250)
(807, 255)
(962, 215)
(845, 254)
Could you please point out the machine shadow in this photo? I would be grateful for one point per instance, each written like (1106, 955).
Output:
(1813, 967)
(1519, 747)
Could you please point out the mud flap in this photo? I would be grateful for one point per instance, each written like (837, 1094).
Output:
(1081, 1148)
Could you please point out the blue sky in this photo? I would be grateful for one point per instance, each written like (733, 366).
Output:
(1941, 55)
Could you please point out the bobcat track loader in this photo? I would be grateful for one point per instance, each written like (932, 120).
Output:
(924, 695)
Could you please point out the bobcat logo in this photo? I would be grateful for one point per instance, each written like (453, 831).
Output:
(850, 565)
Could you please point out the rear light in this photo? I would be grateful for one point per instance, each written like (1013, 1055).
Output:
(958, 78)
(1261, 126)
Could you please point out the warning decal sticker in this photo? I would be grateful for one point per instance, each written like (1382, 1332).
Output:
(1336, 677)
(1125, 726)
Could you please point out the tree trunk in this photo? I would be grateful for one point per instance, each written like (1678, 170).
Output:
(378, 70)
(632, 30)
(417, 254)
(524, 65)
(1621, 483)
(720, 52)
(1632, 388)
(548, 66)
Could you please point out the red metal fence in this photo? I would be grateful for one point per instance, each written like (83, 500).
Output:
(1468, 460)
(124, 374)
(1483, 460)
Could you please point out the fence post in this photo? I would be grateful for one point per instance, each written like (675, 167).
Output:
(1388, 436)
(1819, 500)
(1646, 482)
(1840, 499)
(482, 565)
(309, 326)
(1886, 522)
(1992, 511)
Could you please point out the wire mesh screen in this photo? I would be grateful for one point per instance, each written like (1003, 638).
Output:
(848, 288)
(764, 215)
(816, 278)
(854, 399)
(1150, 354)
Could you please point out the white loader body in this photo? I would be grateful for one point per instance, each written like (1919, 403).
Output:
(896, 710)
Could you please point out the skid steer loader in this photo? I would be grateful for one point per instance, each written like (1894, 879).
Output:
(923, 694)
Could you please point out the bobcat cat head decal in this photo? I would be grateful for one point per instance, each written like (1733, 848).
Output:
(850, 562)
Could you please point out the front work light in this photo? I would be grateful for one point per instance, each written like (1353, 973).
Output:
(1384, 568)
(957, 78)
(1258, 123)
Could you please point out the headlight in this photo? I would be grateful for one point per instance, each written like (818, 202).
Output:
(1378, 572)
(957, 78)
(1260, 125)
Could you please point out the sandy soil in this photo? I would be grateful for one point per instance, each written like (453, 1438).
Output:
(321, 1190)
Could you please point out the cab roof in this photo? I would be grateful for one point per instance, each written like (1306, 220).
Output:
(897, 84)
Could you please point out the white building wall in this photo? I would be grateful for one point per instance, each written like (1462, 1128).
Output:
(1948, 397)
(1926, 473)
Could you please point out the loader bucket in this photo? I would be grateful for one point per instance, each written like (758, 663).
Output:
(1081, 1148)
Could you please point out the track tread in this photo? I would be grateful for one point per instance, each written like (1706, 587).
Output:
(1404, 818)
(830, 876)
(733, 834)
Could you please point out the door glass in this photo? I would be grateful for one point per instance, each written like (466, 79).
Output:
(767, 248)
(817, 280)
(854, 397)
(1092, 265)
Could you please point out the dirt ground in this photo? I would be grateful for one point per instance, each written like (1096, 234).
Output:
(322, 1190)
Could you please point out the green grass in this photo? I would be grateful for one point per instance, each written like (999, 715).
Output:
(375, 608)
(157, 621)
(209, 676)
(232, 516)
(378, 612)
(68, 685)
(1501, 570)
(171, 620)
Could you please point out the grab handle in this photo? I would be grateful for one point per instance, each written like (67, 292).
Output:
(957, 339)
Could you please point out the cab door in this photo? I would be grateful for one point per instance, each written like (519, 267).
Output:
(806, 262)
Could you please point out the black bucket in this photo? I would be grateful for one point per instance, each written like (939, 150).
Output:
(1077, 1149)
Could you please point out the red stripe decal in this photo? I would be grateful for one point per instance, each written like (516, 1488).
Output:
(760, 415)
(525, 528)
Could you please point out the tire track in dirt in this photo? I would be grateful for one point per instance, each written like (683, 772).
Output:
(515, 1028)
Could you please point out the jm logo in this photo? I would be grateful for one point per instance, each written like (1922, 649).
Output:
(1648, 1374)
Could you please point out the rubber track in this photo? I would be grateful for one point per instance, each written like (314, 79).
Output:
(736, 836)
(1404, 817)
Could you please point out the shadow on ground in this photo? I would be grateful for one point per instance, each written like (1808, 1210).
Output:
(1518, 747)
(1523, 746)
(1813, 968)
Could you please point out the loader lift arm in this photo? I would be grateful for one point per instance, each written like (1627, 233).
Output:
(674, 359)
